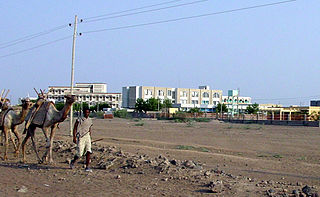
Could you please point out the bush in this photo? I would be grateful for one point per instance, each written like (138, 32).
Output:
(121, 113)
(180, 117)
(202, 119)
(97, 115)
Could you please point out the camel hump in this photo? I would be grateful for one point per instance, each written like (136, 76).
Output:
(3, 115)
(37, 114)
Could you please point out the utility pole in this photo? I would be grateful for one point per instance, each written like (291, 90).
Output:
(221, 103)
(238, 103)
(72, 69)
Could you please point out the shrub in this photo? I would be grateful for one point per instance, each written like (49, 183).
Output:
(180, 117)
(202, 119)
(139, 124)
(122, 113)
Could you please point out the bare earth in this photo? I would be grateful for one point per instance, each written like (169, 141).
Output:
(164, 158)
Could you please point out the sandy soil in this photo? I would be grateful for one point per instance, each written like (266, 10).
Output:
(164, 158)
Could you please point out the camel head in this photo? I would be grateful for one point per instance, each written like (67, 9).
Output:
(26, 103)
(70, 98)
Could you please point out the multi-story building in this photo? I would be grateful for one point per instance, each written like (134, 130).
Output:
(91, 93)
(236, 103)
(182, 98)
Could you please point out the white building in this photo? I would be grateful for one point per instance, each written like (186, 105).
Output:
(236, 103)
(91, 93)
(182, 98)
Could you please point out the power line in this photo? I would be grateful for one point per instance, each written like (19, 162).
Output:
(190, 17)
(141, 12)
(30, 37)
(35, 47)
(289, 98)
(134, 9)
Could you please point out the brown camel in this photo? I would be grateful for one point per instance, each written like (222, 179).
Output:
(10, 121)
(50, 118)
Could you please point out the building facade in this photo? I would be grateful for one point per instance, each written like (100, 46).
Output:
(236, 104)
(182, 98)
(91, 93)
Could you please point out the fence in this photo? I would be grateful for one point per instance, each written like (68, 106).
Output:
(154, 115)
(285, 119)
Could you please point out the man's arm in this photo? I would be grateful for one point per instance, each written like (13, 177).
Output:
(75, 131)
(90, 130)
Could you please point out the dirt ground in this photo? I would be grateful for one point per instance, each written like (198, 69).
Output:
(164, 158)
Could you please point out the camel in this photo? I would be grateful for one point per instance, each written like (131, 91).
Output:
(50, 117)
(10, 121)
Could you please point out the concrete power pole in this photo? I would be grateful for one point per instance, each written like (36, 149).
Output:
(72, 69)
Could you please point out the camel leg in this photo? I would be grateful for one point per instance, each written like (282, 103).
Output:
(5, 132)
(34, 146)
(1, 134)
(14, 130)
(45, 132)
(24, 146)
(53, 130)
(12, 140)
(30, 133)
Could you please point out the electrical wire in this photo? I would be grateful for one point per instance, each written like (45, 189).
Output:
(189, 17)
(134, 9)
(289, 98)
(35, 47)
(30, 37)
(146, 11)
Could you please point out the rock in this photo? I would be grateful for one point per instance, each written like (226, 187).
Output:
(270, 192)
(23, 189)
(302, 195)
(189, 164)
(295, 192)
(68, 160)
(315, 194)
(207, 173)
(131, 163)
(307, 190)
(174, 162)
(118, 177)
(271, 182)
(216, 186)
(164, 179)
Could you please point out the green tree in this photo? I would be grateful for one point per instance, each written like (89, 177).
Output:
(167, 103)
(252, 109)
(141, 105)
(122, 113)
(224, 108)
(195, 110)
(153, 104)
(104, 105)
(59, 106)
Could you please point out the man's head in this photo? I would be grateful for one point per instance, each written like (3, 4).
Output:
(86, 113)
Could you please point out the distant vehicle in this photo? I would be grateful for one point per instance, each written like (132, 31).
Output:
(107, 113)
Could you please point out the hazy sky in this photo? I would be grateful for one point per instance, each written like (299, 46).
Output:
(271, 53)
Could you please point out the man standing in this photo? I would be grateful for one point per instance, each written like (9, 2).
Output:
(82, 137)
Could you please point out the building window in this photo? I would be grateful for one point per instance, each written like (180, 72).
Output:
(204, 102)
(205, 95)
(195, 94)
(183, 101)
(195, 102)
(147, 92)
(183, 93)
(169, 93)
(216, 95)
(160, 93)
